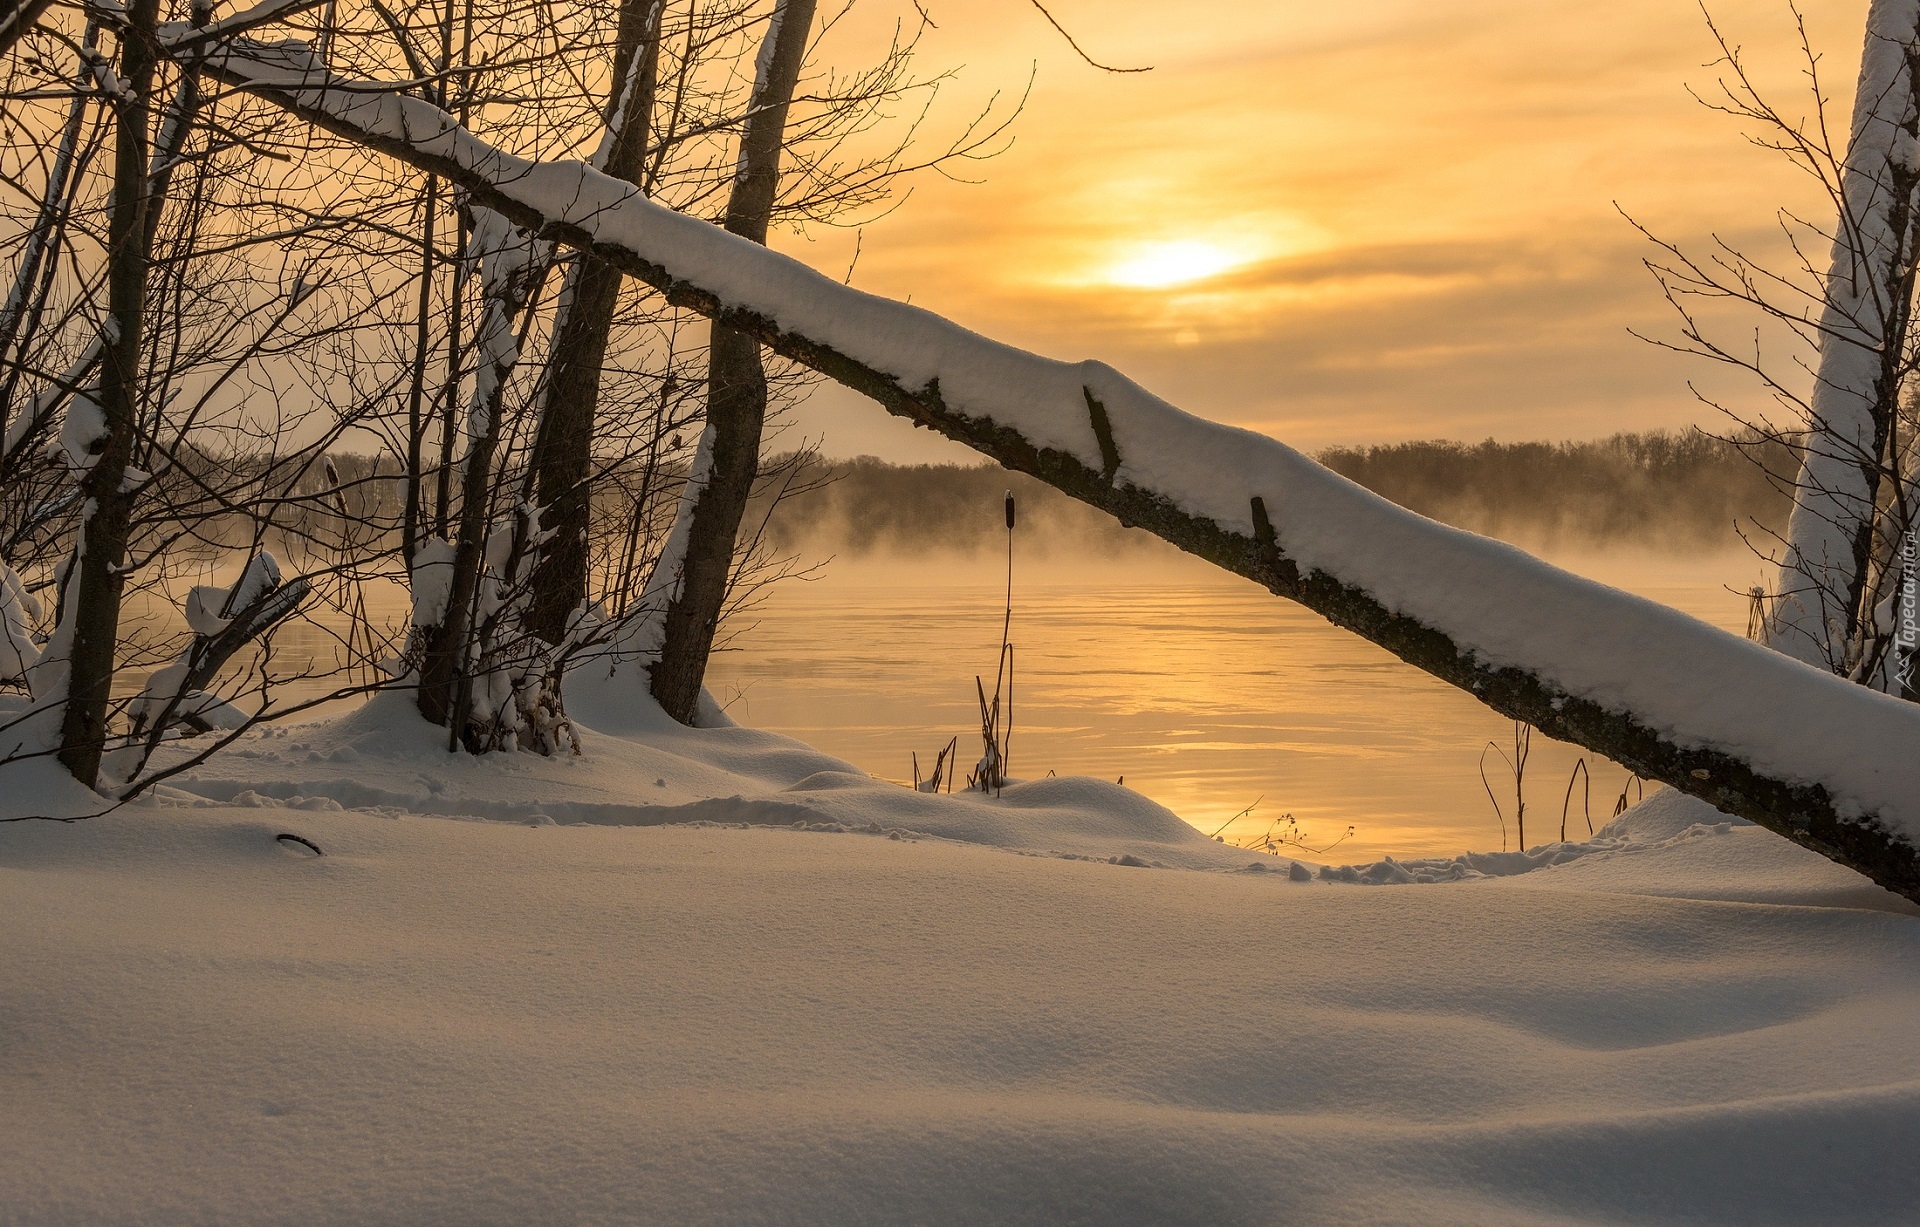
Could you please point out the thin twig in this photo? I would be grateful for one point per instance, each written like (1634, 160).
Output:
(1076, 46)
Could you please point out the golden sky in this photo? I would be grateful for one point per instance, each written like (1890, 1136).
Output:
(1342, 222)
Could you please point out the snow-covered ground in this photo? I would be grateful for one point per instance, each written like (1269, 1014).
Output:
(522, 990)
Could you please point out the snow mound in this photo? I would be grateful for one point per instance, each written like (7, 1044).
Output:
(642, 987)
(1665, 817)
(1680, 847)
(39, 786)
(655, 772)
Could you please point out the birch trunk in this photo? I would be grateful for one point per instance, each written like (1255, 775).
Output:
(1824, 612)
(510, 265)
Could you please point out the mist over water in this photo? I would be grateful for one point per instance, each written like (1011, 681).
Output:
(1230, 706)
(1656, 492)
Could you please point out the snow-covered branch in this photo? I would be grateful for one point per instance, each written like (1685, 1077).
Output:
(1825, 763)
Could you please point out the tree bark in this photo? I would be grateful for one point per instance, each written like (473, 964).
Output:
(414, 478)
(736, 383)
(563, 447)
(98, 579)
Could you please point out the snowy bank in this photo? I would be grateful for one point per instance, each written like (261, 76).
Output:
(610, 1020)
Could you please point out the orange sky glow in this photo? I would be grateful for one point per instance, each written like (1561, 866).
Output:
(1341, 223)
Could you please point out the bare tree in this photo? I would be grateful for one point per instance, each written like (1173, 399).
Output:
(88, 634)
(1827, 610)
(563, 445)
(146, 433)
(667, 126)
(729, 456)
(1852, 481)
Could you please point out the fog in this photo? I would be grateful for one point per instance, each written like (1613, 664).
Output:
(1658, 491)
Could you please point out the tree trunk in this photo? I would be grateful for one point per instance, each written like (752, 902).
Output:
(736, 382)
(415, 477)
(511, 266)
(563, 447)
(98, 580)
(1824, 613)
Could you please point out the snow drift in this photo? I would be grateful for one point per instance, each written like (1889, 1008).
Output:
(569, 1012)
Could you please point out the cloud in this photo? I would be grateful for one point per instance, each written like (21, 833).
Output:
(1422, 201)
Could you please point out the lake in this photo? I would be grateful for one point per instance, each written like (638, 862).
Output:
(1197, 688)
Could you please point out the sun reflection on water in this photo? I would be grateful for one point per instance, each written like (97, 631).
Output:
(1206, 693)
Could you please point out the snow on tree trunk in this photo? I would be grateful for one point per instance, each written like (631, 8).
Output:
(19, 609)
(631, 651)
(510, 260)
(223, 621)
(1825, 763)
(1824, 614)
(209, 611)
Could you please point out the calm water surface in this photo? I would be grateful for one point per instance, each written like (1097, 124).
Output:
(1204, 692)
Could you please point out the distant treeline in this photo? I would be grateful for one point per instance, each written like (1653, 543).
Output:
(1659, 489)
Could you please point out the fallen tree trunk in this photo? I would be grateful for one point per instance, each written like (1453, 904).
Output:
(1822, 762)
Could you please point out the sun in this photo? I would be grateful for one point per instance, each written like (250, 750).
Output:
(1153, 266)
